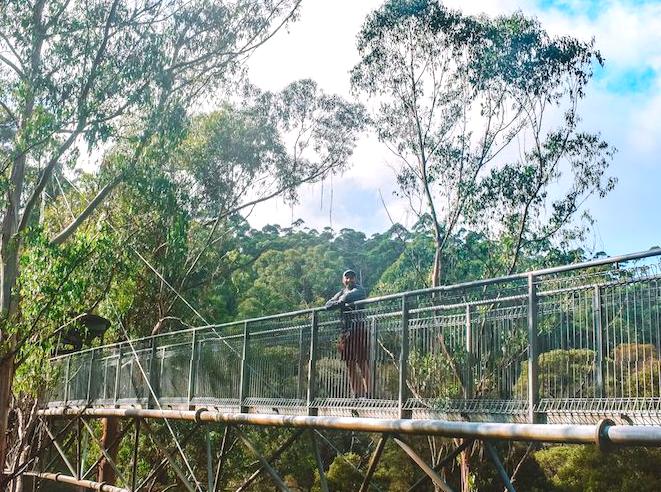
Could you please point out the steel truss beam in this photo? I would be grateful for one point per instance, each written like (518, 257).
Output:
(88, 484)
(104, 452)
(177, 469)
(493, 454)
(164, 462)
(603, 433)
(444, 462)
(221, 458)
(59, 449)
(265, 464)
(323, 484)
(374, 461)
(422, 464)
(271, 458)
(114, 442)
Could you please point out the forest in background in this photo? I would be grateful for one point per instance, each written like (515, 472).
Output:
(163, 218)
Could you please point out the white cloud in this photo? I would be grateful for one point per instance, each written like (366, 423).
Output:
(322, 46)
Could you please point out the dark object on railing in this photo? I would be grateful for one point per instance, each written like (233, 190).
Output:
(87, 327)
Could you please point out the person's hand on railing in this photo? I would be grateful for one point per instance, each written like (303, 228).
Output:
(333, 303)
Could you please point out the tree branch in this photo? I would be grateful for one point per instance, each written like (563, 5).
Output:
(91, 206)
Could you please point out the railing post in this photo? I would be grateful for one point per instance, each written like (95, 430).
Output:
(404, 361)
(67, 371)
(312, 363)
(153, 376)
(599, 341)
(89, 377)
(468, 366)
(115, 397)
(245, 374)
(192, 369)
(302, 362)
(533, 350)
(371, 391)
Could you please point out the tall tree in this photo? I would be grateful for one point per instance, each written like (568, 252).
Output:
(74, 72)
(483, 117)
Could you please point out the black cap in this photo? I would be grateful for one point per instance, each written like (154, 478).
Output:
(349, 273)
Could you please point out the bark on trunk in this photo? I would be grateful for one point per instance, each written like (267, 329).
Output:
(110, 428)
(6, 379)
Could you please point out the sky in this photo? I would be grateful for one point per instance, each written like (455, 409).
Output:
(623, 104)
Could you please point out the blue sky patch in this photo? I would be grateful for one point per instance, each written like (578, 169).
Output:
(589, 8)
(639, 80)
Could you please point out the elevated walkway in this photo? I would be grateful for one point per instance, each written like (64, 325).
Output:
(572, 344)
(564, 355)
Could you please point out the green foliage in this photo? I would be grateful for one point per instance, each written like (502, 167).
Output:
(563, 374)
(431, 376)
(585, 468)
(343, 474)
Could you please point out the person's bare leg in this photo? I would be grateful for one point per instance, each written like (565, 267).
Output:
(365, 379)
(354, 378)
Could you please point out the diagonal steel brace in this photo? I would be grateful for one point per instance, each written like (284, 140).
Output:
(265, 464)
(422, 464)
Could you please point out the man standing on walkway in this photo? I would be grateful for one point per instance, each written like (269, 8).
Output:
(353, 344)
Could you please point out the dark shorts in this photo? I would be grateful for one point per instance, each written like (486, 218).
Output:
(354, 344)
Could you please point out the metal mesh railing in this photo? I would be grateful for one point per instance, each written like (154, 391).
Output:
(563, 344)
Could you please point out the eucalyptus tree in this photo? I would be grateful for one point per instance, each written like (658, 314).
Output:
(228, 161)
(482, 115)
(77, 74)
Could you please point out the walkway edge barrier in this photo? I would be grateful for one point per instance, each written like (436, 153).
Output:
(601, 434)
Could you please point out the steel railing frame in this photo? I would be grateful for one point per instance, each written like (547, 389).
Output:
(193, 337)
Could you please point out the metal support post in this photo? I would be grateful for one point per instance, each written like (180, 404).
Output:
(404, 362)
(89, 376)
(221, 458)
(312, 367)
(499, 466)
(67, 371)
(245, 373)
(438, 481)
(265, 464)
(533, 350)
(78, 450)
(118, 371)
(153, 375)
(136, 444)
(209, 461)
(301, 390)
(371, 391)
(374, 461)
(192, 369)
(468, 366)
(599, 341)
(323, 483)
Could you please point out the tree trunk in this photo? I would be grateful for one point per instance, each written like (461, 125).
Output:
(110, 426)
(6, 379)
(8, 275)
